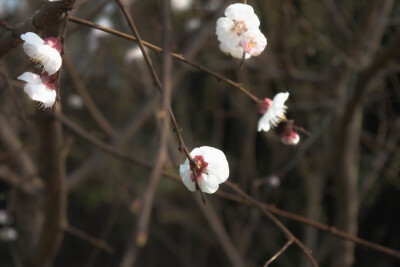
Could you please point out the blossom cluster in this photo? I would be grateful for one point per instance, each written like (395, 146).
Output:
(239, 32)
(240, 36)
(47, 56)
(207, 167)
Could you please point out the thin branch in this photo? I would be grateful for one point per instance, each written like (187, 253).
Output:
(103, 146)
(30, 187)
(179, 57)
(222, 236)
(278, 253)
(90, 105)
(91, 240)
(55, 197)
(323, 227)
(283, 228)
(161, 152)
(157, 83)
(271, 208)
(15, 99)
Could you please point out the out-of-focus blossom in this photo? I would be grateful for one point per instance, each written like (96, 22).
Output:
(75, 101)
(8, 234)
(95, 34)
(133, 54)
(192, 24)
(213, 5)
(181, 5)
(273, 112)
(8, 8)
(5, 217)
(289, 136)
(274, 181)
(45, 52)
(211, 169)
(40, 87)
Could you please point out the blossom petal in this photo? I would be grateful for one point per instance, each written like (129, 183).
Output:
(41, 93)
(185, 172)
(50, 59)
(32, 38)
(264, 123)
(238, 11)
(208, 187)
(281, 98)
(237, 52)
(30, 77)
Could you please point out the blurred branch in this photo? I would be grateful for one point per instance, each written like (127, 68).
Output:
(378, 162)
(55, 195)
(15, 98)
(91, 240)
(49, 15)
(30, 187)
(338, 18)
(100, 144)
(300, 219)
(294, 217)
(139, 239)
(139, 118)
(222, 236)
(264, 210)
(80, 88)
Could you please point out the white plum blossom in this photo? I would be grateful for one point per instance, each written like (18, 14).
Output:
(212, 169)
(273, 112)
(290, 137)
(253, 42)
(40, 87)
(239, 31)
(45, 52)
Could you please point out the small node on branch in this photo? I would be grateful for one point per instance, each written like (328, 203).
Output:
(141, 239)
(4, 24)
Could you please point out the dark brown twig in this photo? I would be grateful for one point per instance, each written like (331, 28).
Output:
(283, 228)
(15, 98)
(91, 240)
(179, 57)
(90, 105)
(157, 83)
(282, 213)
(103, 146)
(278, 253)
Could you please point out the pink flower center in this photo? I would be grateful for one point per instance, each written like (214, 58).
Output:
(265, 105)
(54, 42)
(201, 167)
(49, 81)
